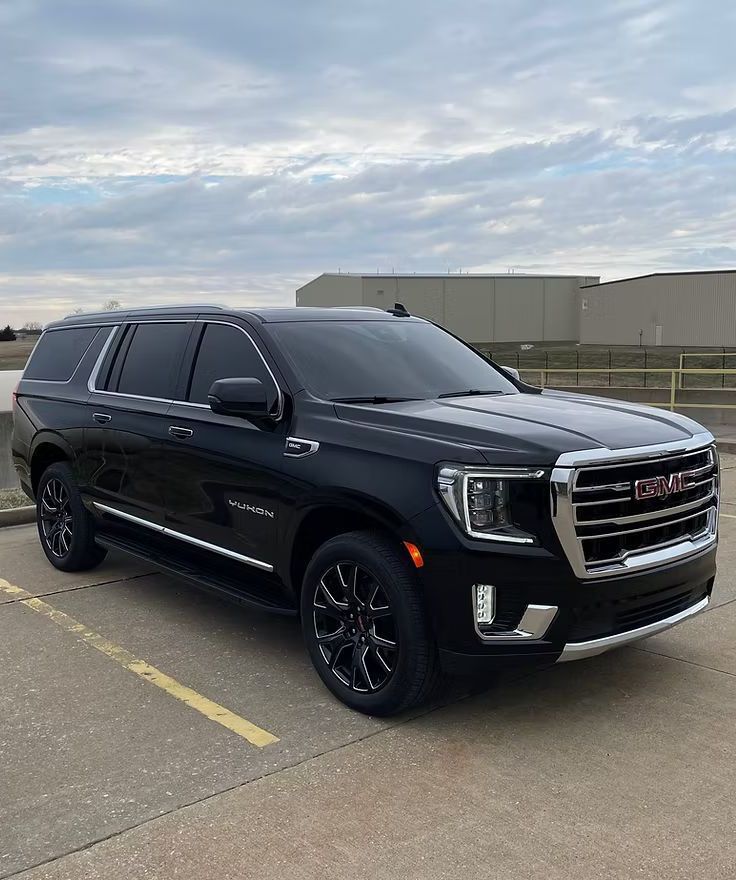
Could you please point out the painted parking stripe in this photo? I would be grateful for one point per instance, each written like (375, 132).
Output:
(728, 515)
(254, 734)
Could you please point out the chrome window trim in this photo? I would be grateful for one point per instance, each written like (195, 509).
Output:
(93, 375)
(581, 650)
(100, 358)
(562, 486)
(171, 533)
(279, 393)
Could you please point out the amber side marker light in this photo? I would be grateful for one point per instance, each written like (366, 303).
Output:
(415, 553)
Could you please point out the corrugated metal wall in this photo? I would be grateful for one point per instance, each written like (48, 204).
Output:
(690, 310)
(482, 309)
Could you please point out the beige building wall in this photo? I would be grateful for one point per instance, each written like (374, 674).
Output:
(483, 309)
(687, 309)
(331, 290)
(469, 307)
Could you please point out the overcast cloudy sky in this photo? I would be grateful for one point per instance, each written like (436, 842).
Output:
(157, 150)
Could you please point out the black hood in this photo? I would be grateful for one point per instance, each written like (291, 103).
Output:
(537, 426)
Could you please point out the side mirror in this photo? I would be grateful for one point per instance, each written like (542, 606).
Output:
(512, 371)
(238, 397)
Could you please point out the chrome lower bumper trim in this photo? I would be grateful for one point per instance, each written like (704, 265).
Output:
(533, 625)
(581, 650)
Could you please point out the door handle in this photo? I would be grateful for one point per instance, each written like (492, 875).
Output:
(102, 418)
(180, 433)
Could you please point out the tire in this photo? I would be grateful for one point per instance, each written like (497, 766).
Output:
(365, 574)
(65, 526)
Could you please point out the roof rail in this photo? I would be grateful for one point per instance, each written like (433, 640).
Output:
(139, 309)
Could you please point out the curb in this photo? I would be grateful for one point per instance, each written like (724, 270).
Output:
(17, 516)
(727, 446)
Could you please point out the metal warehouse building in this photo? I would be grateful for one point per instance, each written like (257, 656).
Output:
(483, 309)
(696, 309)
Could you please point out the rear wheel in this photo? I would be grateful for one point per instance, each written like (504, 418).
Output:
(365, 625)
(65, 527)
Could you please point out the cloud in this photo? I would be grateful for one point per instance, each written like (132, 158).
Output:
(178, 149)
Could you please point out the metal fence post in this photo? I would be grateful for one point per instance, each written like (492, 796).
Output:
(682, 361)
(672, 391)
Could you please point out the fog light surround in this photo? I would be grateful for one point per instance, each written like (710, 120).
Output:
(484, 602)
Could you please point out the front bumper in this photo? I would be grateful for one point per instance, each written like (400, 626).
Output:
(593, 647)
(591, 616)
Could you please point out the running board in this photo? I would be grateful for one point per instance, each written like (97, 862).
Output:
(262, 597)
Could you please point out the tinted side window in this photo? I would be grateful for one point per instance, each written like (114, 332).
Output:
(225, 353)
(58, 353)
(152, 360)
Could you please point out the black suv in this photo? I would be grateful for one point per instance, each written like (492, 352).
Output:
(418, 506)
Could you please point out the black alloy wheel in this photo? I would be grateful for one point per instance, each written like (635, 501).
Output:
(355, 628)
(365, 623)
(65, 526)
(56, 518)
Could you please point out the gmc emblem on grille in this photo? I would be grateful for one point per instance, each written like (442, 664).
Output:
(661, 487)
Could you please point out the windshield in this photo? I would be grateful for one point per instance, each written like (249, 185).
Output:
(384, 359)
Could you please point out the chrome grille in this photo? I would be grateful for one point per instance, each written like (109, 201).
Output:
(606, 529)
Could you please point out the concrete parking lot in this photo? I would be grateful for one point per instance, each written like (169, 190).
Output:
(148, 730)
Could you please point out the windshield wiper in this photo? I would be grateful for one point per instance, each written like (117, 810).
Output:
(467, 393)
(378, 399)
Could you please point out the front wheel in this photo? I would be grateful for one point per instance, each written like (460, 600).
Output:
(64, 525)
(365, 624)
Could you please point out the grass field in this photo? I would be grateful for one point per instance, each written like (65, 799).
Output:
(13, 355)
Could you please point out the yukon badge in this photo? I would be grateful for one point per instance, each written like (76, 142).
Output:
(251, 508)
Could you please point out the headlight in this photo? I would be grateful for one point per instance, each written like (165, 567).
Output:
(478, 499)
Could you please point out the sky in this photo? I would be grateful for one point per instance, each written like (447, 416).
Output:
(156, 151)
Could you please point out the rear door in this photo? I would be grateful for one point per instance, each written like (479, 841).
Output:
(130, 398)
(224, 480)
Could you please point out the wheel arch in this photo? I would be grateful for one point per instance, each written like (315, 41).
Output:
(47, 449)
(331, 517)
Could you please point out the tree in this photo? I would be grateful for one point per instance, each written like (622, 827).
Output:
(7, 335)
(32, 326)
(112, 305)
(77, 311)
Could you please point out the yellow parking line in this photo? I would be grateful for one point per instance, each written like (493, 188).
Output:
(208, 708)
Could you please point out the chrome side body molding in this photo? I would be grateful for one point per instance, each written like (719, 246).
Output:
(180, 536)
